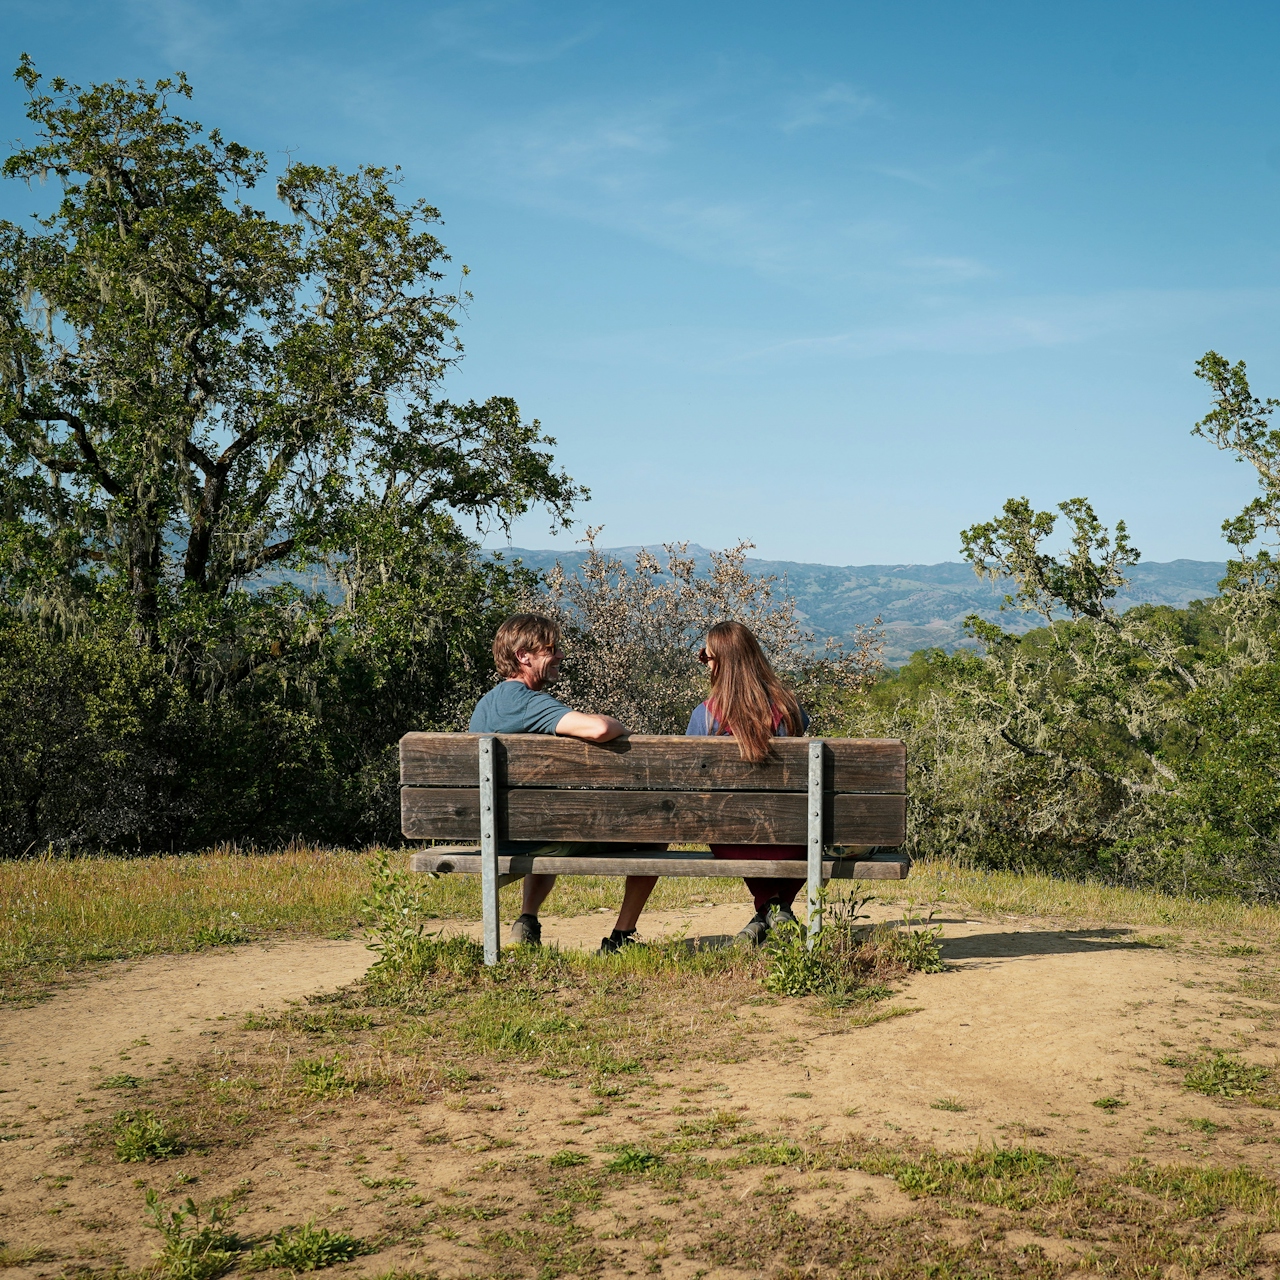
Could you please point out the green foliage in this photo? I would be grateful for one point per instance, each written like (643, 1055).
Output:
(396, 917)
(221, 934)
(1017, 1178)
(1136, 746)
(1226, 1075)
(306, 1248)
(846, 958)
(324, 1079)
(230, 488)
(634, 1160)
(191, 1251)
(140, 1136)
(568, 1159)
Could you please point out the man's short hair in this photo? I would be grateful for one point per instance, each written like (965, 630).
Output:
(529, 631)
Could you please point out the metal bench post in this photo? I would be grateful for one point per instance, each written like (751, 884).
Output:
(489, 851)
(815, 840)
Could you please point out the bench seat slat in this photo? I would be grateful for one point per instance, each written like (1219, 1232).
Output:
(892, 867)
(872, 765)
(672, 817)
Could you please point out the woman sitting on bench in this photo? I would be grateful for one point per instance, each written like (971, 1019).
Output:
(751, 704)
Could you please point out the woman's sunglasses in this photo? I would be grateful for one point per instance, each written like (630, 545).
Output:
(704, 657)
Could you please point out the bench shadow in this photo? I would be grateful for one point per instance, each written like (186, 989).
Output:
(1010, 945)
(707, 941)
(993, 946)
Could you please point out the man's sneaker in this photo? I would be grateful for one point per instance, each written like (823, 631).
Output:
(754, 932)
(527, 931)
(618, 939)
(776, 914)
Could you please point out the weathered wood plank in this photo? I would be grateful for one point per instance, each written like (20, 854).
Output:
(870, 765)
(665, 817)
(885, 868)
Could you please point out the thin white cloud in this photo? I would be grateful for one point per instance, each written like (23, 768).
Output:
(947, 270)
(835, 104)
(182, 30)
(1011, 324)
(509, 32)
(999, 327)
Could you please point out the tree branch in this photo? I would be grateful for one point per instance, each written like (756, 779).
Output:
(1078, 766)
(85, 445)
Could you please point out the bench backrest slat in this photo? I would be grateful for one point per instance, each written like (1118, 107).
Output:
(865, 765)
(669, 817)
(674, 790)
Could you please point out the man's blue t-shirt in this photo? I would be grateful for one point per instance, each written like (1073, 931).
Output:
(512, 707)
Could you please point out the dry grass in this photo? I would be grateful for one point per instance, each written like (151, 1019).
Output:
(60, 914)
(995, 893)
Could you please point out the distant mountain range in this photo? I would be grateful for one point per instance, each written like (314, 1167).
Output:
(921, 605)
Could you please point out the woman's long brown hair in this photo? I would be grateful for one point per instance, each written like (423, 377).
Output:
(746, 694)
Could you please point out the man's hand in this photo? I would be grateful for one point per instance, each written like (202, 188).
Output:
(592, 728)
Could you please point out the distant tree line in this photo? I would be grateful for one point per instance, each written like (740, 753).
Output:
(204, 407)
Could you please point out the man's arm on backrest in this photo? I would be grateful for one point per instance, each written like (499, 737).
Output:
(576, 724)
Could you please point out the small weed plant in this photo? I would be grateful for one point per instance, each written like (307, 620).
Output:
(223, 933)
(848, 957)
(141, 1136)
(1226, 1075)
(396, 913)
(121, 1081)
(306, 1248)
(191, 1251)
(324, 1079)
(634, 1160)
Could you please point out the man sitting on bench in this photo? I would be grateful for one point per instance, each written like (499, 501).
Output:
(527, 653)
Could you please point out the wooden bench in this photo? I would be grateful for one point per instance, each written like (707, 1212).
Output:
(846, 795)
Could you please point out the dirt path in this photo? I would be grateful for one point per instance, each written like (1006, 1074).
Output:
(1029, 1027)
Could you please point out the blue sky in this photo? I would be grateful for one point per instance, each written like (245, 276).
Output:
(838, 278)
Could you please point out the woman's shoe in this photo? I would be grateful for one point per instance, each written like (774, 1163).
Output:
(776, 914)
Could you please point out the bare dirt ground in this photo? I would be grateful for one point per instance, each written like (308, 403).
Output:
(1027, 1029)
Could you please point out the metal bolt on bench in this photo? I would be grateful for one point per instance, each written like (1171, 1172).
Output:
(847, 792)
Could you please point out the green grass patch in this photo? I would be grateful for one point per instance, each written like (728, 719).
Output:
(142, 1136)
(1017, 1178)
(635, 1160)
(306, 1248)
(1226, 1075)
(568, 1159)
(122, 1080)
